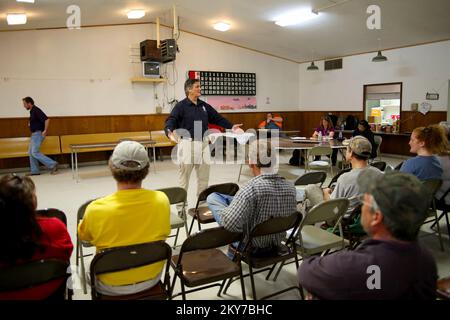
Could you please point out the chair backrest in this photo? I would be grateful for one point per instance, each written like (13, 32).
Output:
(378, 140)
(432, 186)
(311, 178)
(209, 239)
(397, 167)
(336, 177)
(225, 188)
(32, 274)
(129, 257)
(276, 225)
(320, 151)
(175, 194)
(327, 210)
(381, 165)
(52, 213)
(82, 209)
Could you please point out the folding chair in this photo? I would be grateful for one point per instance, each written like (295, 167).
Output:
(336, 177)
(381, 165)
(201, 264)
(201, 212)
(445, 208)
(311, 178)
(319, 164)
(433, 186)
(312, 239)
(285, 251)
(178, 219)
(52, 213)
(130, 257)
(80, 244)
(378, 140)
(443, 288)
(35, 273)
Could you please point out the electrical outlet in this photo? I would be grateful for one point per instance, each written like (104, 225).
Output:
(267, 100)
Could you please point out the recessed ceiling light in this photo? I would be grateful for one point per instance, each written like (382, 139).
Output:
(28, 1)
(295, 17)
(16, 18)
(136, 14)
(222, 26)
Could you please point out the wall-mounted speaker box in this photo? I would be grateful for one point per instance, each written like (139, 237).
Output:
(149, 51)
(168, 50)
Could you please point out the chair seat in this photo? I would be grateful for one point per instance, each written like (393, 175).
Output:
(316, 240)
(319, 163)
(203, 214)
(443, 288)
(156, 292)
(175, 220)
(284, 253)
(206, 266)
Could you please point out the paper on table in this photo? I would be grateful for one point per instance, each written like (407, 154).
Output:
(298, 138)
(241, 138)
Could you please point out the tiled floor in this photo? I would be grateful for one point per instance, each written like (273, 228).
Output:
(62, 192)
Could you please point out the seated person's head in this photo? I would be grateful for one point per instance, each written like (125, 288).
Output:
(269, 115)
(395, 204)
(359, 148)
(363, 125)
(262, 156)
(129, 162)
(19, 231)
(431, 138)
(326, 122)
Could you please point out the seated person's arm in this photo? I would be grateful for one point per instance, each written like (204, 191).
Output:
(315, 134)
(331, 134)
(83, 228)
(327, 194)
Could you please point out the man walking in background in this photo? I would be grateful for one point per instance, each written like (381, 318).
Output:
(38, 124)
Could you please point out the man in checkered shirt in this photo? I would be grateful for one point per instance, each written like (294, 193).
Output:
(264, 196)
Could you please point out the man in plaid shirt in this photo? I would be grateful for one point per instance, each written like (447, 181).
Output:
(264, 196)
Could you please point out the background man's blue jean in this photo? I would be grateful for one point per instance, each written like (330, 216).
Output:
(36, 156)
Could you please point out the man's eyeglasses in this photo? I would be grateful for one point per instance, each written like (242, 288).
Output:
(373, 204)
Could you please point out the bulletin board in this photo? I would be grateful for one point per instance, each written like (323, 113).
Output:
(218, 83)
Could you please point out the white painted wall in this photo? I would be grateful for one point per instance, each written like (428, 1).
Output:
(422, 69)
(87, 71)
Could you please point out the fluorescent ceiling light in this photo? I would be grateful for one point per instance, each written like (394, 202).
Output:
(222, 26)
(295, 17)
(28, 1)
(16, 18)
(135, 14)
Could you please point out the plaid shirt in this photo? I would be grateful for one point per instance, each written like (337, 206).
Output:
(263, 197)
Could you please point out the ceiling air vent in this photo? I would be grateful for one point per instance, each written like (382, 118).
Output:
(333, 64)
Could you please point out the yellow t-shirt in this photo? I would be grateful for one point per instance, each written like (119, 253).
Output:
(125, 218)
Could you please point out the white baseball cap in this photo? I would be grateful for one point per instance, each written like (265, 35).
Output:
(127, 152)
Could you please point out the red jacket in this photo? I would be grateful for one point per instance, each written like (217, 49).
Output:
(57, 245)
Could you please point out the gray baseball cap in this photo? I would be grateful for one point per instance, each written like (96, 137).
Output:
(401, 196)
(361, 146)
(130, 156)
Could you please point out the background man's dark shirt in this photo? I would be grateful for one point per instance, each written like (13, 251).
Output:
(37, 119)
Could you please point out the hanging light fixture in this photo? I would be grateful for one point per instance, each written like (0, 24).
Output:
(379, 57)
(312, 67)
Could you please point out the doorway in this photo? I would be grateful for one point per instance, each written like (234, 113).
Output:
(382, 106)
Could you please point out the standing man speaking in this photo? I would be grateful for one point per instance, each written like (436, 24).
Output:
(38, 126)
(193, 115)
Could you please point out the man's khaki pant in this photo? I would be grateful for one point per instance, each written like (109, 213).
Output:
(193, 155)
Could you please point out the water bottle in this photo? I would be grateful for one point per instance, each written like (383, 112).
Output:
(340, 132)
(319, 137)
